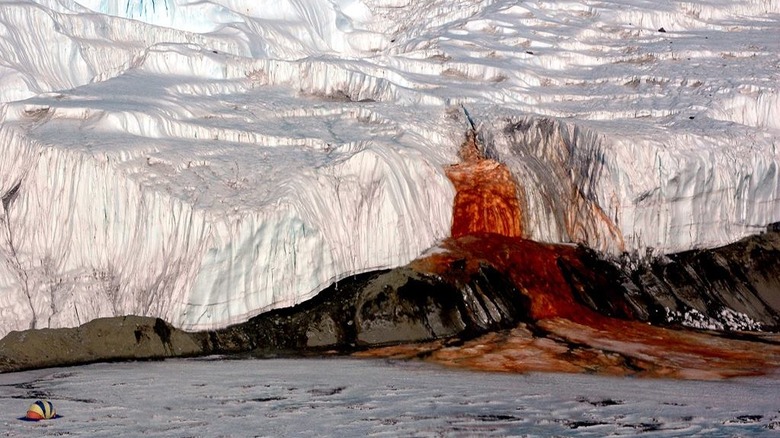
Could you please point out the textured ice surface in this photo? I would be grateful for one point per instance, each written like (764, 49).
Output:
(207, 161)
(360, 398)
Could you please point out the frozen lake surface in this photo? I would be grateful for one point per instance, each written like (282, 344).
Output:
(348, 397)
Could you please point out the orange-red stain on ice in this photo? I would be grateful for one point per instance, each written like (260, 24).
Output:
(561, 334)
(564, 335)
(487, 198)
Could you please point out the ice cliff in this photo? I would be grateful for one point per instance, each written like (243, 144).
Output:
(205, 162)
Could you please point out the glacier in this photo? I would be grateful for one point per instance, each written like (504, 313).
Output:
(205, 162)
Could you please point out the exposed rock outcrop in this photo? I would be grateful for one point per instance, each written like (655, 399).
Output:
(398, 306)
(734, 287)
(489, 302)
(585, 314)
(100, 340)
(369, 310)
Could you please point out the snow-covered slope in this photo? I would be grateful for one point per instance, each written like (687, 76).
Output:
(207, 161)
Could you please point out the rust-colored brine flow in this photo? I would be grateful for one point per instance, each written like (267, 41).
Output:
(560, 332)
(486, 199)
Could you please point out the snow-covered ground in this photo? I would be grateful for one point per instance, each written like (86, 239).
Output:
(207, 161)
(346, 397)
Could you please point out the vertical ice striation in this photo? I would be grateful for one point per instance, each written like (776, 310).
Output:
(144, 10)
(188, 16)
(348, 219)
(285, 27)
(632, 191)
(84, 241)
(83, 238)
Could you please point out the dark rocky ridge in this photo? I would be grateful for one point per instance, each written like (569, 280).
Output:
(408, 305)
(375, 309)
(716, 287)
(367, 310)
(103, 339)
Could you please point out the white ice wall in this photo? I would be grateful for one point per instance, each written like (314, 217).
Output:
(84, 241)
(87, 235)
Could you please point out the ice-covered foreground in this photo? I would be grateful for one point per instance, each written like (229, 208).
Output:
(341, 397)
(207, 161)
